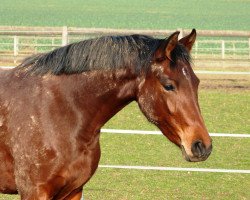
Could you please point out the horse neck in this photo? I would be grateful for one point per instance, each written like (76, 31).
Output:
(100, 95)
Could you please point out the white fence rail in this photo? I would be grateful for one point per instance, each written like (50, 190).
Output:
(19, 42)
(183, 169)
(143, 132)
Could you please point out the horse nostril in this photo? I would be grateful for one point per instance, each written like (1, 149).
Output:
(198, 149)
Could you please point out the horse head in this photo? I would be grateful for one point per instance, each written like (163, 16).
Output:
(168, 97)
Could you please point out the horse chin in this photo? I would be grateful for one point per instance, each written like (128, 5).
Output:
(192, 158)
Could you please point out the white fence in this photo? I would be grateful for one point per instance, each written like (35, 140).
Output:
(19, 42)
(141, 132)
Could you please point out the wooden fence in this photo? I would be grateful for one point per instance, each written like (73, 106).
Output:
(18, 42)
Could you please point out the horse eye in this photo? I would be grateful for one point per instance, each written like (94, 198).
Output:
(169, 87)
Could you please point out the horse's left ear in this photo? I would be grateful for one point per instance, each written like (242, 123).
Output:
(188, 41)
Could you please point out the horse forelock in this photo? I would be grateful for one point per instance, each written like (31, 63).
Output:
(180, 53)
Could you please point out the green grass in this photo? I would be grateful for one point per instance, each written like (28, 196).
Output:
(223, 111)
(226, 111)
(147, 185)
(115, 184)
(144, 14)
(156, 150)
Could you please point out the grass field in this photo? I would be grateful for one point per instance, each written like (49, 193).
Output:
(144, 14)
(158, 185)
(224, 101)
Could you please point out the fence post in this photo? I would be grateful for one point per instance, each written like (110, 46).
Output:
(15, 48)
(222, 49)
(64, 35)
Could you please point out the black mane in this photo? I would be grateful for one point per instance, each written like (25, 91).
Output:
(104, 53)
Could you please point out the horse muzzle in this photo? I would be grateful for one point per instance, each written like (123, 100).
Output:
(199, 152)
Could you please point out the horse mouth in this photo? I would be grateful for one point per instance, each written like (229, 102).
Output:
(194, 158)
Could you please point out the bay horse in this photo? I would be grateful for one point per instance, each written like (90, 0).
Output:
(53, 105)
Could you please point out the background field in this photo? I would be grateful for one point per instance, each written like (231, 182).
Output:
(224, 100)
(145, 14)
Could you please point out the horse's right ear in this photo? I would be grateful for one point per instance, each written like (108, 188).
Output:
(189, 40)
(166, 46)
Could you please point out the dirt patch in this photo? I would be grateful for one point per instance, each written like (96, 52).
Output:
(225, 82)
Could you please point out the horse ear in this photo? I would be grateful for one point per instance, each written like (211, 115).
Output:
(166, 47)
(188, 41)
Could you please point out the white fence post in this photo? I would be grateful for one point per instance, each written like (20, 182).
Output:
(222, 49)
(15, 48)
(64, 35)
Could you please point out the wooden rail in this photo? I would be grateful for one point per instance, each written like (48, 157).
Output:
(25, 30)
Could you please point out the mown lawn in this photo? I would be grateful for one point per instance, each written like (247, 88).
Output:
(144, 14)
(156, 150)
(116, 184)
(158, 185)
